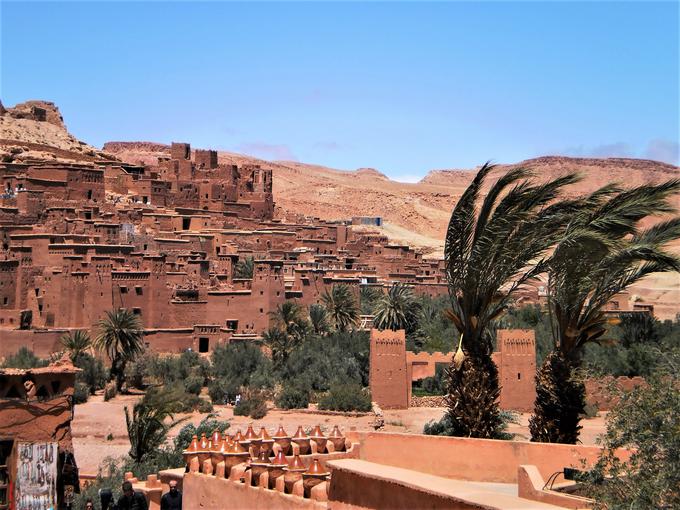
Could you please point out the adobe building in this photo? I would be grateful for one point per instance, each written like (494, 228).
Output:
(37, 466)
(393, 369)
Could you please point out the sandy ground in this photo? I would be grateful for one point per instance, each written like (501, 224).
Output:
(96, 419)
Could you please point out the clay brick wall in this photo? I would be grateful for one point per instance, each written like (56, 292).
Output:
(180, 150)
(517, 368)
(206, 158)
(389, 380)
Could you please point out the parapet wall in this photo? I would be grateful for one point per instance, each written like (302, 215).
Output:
(484, 460)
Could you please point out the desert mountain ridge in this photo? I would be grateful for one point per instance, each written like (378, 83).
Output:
(416, 213)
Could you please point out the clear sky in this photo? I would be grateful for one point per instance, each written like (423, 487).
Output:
(401, 87)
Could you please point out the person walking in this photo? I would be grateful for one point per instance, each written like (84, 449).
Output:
(172, 500)
(131, 500)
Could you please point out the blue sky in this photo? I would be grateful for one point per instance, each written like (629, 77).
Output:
(401, 87)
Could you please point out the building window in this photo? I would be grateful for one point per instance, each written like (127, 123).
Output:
(519, 376)
(138, 291)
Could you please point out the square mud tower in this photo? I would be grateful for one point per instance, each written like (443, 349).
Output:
(206, 159)
(180, 150)
(517, 368)
(389, 379)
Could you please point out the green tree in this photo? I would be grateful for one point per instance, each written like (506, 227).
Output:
(244, 268)
(76, 342)
(398, 309)
(342, 306)
(121, 337)
(647, 422)
(318, 318)
(602, 252)
(150, 420)
(490, 253)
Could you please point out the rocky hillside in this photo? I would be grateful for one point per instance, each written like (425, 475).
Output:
(35, 130)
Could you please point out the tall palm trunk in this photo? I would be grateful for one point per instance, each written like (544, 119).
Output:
(560, 401)
(472, 398)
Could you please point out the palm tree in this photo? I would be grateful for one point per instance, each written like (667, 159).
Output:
(147, 425)
(289, 317)
(280, 344)
(490, 253)
(75, 342)
(120, 336)
(244, 268)
(342, 306)
(318, 318)
(398, 309)
(368, 297)
(290, 329)
(604, 250)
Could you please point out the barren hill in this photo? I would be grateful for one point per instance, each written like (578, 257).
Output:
(416, 212)
(35, 130)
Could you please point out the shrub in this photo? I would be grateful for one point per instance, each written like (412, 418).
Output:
(223, 391)
(346, 397)
(253, 404)
(293, 397)
(137, 371)
(204, 406)
(81, 392)
(207, 426)
(445, 426)
(24, 358)
(193, 384)
(238, 363)
(110, 391)
(258, 410)
(93, 374)
(646, 420)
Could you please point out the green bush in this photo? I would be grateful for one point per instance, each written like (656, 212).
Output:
(346, 397)
(207, 426)
(110, 391)
(193, 384)
(223, 391)
(239, 363)
(81, 392)
(445, 427)
(647, 422)
(293, 397)
(253, 405)
(93, 373)
(24, 358)
(172, 368)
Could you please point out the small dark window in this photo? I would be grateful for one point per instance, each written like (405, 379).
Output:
(203, 344)
(138, 291)
(56, 385)
(519, 376)
(137, 311)
(123, 290)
